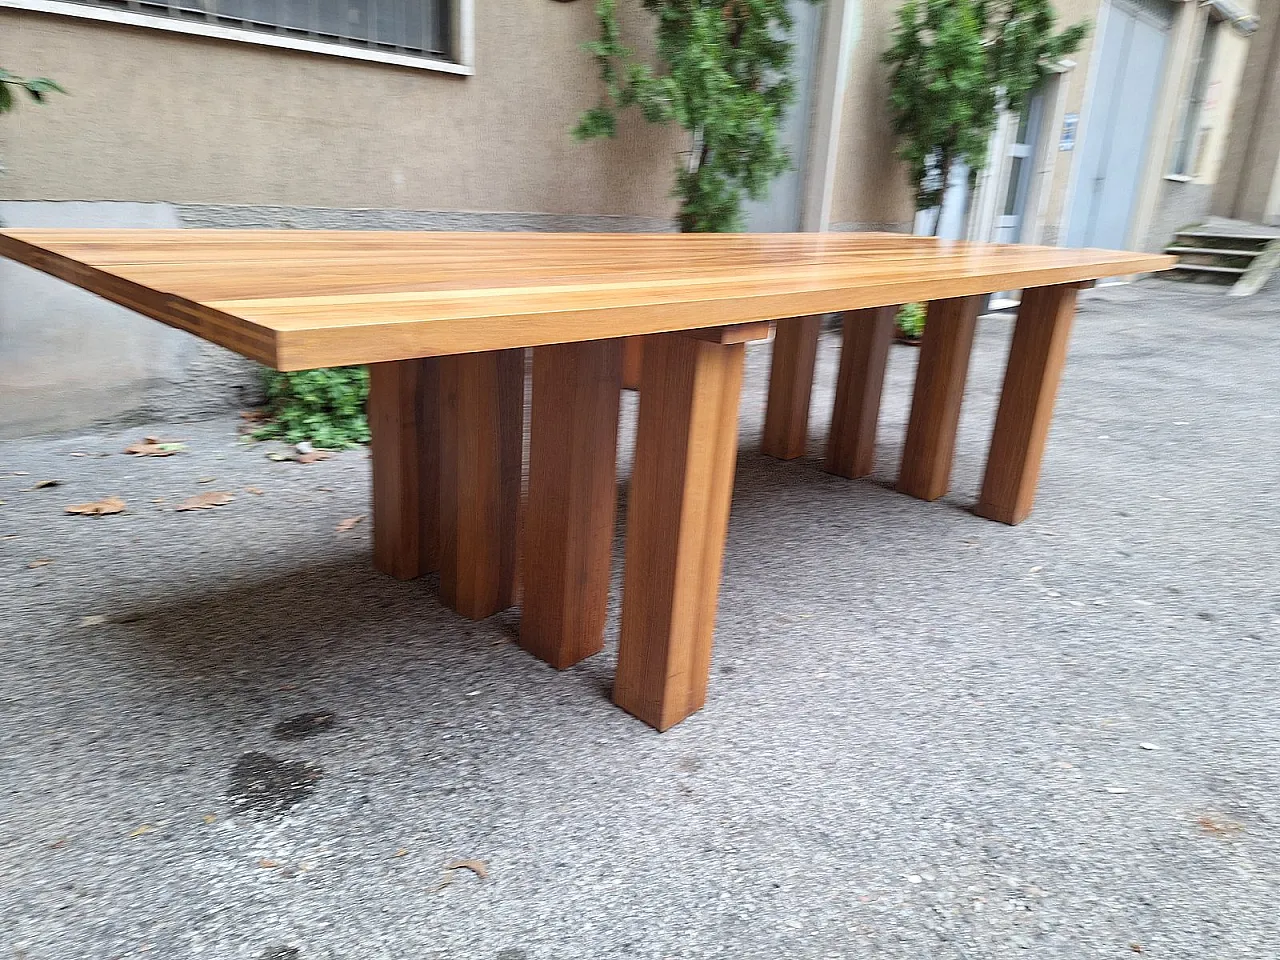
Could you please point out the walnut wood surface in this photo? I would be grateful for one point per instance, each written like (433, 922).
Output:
(943, 367)
(786, 420)
(851, 445)
(568, 532)
(1036, 359)
(677, 518)
(295, 299)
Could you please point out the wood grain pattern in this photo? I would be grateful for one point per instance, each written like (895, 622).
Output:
(935, 405)
(296, 299)
(632, 362)
(568, 533)
(786, 419)
(481, 440)
(851, 445)
(1036, 359)
(677, 518)
(404, 421)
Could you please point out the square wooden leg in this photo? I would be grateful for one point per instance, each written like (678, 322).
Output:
(851, 445)
(935, 406)
(632, 362)
(481, 439)
(404, 423)
(677, 520)
(786, 419)
(568, 532)
(1036, 358)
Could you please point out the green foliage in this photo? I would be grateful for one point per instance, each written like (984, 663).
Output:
(324, 406)
(724, 79)
(910, 320)
(36, 88)
(955, 64)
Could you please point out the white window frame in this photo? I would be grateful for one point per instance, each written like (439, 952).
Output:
(463, 34)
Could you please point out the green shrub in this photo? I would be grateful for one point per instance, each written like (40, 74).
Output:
(325, 407)
(911, 320)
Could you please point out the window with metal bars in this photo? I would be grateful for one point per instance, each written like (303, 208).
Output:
(412, 27)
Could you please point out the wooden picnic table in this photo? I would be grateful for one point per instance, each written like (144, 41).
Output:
(443, 319)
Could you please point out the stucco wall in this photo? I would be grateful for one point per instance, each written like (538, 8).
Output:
(870, 190)
(160, 116)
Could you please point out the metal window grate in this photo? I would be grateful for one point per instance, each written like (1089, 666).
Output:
(413, 27)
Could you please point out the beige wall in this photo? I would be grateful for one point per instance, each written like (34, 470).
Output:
(871, 186)
(160, 116)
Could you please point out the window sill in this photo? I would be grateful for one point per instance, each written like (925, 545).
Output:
(196, 29)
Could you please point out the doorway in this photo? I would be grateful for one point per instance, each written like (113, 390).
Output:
(1113, 151)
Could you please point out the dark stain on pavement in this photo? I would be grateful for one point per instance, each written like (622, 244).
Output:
(268, 784)
(304, 725)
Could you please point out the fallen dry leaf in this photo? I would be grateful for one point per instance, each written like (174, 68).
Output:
(97, 508)
(253, 416)
(1214, 825)
(40, 562)
(268, 864)
(60, 842)
(210, 818)
(254, 490)
(400, 853)
(1136, 947)
(206, 480)
(313, 456)
(45, 483)
(10, 536)
(145, 828)
(92, 621)
(349, 523)
(475, 866)
(154, 449)
(205, 501)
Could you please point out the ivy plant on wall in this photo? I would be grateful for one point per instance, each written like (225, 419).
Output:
(723, 77)
(955, 65)
(34, 87)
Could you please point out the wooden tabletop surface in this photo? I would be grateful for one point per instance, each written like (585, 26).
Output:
(295, 299)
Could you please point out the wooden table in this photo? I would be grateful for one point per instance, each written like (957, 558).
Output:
(443, 319)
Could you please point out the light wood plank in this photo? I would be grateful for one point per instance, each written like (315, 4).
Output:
(786, 420)
(297, 299)
(568, 533)
(677, 519)
(481, 436)
(1036, 359)
(851, 445)
(404, 422)
(935, 406)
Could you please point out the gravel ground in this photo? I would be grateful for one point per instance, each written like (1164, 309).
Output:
(927, 735)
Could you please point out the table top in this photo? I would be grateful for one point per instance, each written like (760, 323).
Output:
(295, 299)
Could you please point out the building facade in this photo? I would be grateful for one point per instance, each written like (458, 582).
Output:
(455, 114)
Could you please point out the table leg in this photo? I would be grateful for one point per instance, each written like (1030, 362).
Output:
(935, 406)
(481, 436)
(1031, 379)
(568, 532)
(632, 362)
(677, 519)
(786, 419)
(851, 446)
(404, 422)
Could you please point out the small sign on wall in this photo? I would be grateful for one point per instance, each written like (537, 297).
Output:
(1069, 124)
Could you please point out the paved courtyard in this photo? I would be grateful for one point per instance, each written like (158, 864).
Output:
(927, 735)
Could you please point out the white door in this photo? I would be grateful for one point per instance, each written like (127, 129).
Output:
(779, 212)
(1113, 149)
(1022, 151)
